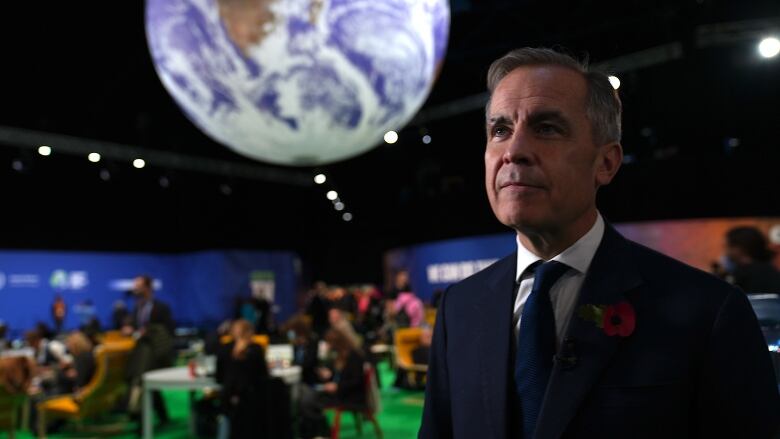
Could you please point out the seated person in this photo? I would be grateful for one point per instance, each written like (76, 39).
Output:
(243, 374)
(305, 348)
(47, 352)
(4, 343)
(421, 353)
(16, 374)
(78, 372)
(338, 321)
(343, 385)
(48, 355)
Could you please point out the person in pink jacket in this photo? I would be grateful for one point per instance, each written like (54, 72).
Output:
(412, 306)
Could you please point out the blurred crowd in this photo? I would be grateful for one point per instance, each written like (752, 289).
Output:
(338, 338)
(333, 338)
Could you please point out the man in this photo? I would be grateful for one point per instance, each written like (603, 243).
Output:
(613, 340)
(148, 310)
(153, 323)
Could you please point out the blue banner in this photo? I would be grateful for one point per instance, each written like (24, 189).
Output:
(201, 288)
(436, 265)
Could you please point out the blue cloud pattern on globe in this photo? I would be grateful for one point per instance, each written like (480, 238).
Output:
(298, 82)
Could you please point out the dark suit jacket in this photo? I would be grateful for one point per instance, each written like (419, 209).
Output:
(160, 315)
(696, 365)
(155, 349)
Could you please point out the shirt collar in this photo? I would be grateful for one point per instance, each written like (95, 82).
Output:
(578, 256)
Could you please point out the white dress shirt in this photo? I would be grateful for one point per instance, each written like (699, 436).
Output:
(566, 290)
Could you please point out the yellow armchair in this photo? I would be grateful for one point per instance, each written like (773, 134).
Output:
(98, 396)
(406, 341)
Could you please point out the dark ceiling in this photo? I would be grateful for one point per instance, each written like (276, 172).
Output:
(83, 69)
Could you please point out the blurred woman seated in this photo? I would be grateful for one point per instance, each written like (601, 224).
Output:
(243, 374)
(77, 372)
(343, 384)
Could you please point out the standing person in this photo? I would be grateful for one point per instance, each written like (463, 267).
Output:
(582, 333)
(243, 374)
(751, 261)
(58, 312)
(153, 323)
(317, 308)
(370, 313)
(400, 284)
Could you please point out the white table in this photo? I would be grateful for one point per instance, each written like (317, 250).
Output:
(178, 378)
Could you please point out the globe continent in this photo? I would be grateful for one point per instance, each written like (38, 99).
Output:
(298, 82)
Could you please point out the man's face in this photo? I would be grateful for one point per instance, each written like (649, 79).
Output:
(542, 168)
(334, 316)
(140, 288)
(401, 279)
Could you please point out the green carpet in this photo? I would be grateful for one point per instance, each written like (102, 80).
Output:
(399, 419)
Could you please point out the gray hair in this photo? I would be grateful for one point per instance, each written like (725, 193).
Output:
(602, 107)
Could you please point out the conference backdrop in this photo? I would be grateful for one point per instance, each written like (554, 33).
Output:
(697, 242)
(200, 287)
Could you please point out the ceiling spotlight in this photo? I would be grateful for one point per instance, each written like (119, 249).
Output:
(426, 139)
(320, 178)
(93, 157)
(17, 165)
(347, 216)
(164, 182)
(105, 175)
(44, 150)
(139, 163)
(226, 189)
(615, 82)
(332, 195)
(391, 137)
(769, 47)
(339, 205)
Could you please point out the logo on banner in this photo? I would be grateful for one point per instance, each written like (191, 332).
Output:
(455, 271)
(263, 284)
(125, 285)
(68, 280)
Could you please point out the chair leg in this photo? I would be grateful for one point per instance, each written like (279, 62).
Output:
(41, 427)
(374, 421)
(358, 423)
(334, 431)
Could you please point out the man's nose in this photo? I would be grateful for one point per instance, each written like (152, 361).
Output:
(518, 149)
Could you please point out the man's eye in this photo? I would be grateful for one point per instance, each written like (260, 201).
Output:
(499, 131)
(547, 129)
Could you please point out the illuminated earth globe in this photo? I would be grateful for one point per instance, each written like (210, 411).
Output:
(298, 82)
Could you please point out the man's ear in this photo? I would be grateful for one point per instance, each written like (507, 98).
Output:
(609, 159)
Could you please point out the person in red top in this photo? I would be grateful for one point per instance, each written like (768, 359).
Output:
(58, 313)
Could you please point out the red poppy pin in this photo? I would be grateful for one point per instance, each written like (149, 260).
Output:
(618, 319)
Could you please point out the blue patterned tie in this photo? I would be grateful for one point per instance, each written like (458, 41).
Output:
(536, 345)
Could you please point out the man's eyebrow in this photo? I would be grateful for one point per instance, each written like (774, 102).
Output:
(499, 119)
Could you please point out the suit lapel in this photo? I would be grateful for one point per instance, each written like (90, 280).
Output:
(611, 274)
(494, 314)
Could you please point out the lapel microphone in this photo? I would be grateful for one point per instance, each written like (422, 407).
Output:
(566, 357)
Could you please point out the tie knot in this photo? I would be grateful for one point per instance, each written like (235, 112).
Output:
(547, 274)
